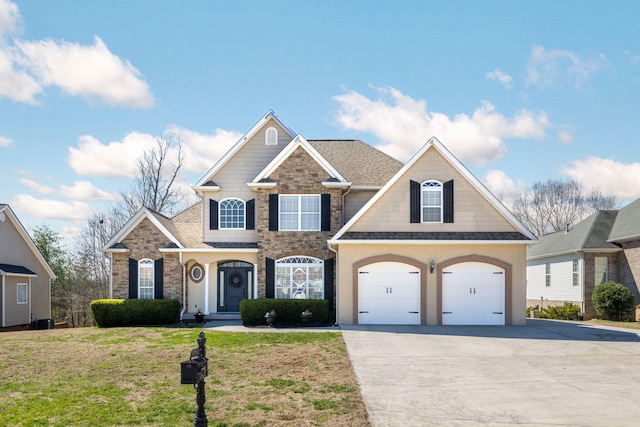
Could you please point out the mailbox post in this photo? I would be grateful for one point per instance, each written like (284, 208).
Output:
(193, 371)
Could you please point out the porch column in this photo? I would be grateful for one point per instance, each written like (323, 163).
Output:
(206, 288)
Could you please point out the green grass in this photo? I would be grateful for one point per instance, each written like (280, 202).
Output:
(131, 377)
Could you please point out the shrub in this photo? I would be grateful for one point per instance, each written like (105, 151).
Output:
(568, 311)
(252, 311)
(129, 312)
(612, 300)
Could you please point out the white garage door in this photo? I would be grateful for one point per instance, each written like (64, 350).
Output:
(389, 294)
(473, 294)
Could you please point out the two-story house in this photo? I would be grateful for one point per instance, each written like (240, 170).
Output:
(284, 217)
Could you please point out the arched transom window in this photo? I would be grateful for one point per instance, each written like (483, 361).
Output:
(300, 277)
(432, 201)
(232, 214)
(145, 278)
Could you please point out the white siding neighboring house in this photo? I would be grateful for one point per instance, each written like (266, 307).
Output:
(25, 276)
(565, 266)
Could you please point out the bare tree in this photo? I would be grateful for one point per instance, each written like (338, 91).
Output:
(153, 186)
(555, 204)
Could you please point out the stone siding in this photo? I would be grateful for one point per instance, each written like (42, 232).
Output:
(298, 174)
(144, 242)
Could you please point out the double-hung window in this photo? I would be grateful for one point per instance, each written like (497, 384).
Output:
(431, 201)
(576, 272)
(232, 214)
(21, 293)
(299, 212)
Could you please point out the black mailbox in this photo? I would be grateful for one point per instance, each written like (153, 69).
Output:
(194, 370)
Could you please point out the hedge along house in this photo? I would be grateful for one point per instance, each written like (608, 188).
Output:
(25, 276)
(432, 247)
(267, 209)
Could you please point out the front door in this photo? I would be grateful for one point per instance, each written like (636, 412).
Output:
(234, 281)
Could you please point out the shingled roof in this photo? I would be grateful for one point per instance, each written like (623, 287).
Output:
(358, 162)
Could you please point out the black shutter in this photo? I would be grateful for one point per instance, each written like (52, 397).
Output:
(328, 281)
(273, 212)
(250, 214)
(325, 212)
(447, 201)
(270, 278)
(414, 201)
(213, 214)
(133, 278)
(158, 279)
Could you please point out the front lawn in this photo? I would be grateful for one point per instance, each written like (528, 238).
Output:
(131, 377)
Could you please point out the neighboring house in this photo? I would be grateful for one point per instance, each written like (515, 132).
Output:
(24, 274)
(567, 265)
(270, 224)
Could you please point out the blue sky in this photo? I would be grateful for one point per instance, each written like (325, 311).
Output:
(520, 91)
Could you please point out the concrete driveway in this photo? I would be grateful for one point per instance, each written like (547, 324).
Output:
(547, 373)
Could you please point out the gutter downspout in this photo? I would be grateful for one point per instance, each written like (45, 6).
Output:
(184, 288)
(4, 311)
(110, 275)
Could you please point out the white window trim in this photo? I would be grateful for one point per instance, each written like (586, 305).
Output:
(318, 225)
(436, 188)
(547, 275)
(147, 263)
(304, 262)
(274, 132)
(244, 214)
(575, 273)
(26, 293)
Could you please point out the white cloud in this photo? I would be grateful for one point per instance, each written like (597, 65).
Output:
(9, 17)
(565, 136)
(17, 85)
(202, 150)
(551, 67)
(116, 159)
(5, 142)
(92, 72)
(503, 187)
(50, 209)
(606, 174)
(502, 77)
(83, 190)
(403, 124)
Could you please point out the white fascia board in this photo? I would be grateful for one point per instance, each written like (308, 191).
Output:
(206, 250)
(256, 185)
(366, 187)
(331, 184)
(8, 212)
(4, 273)
(625, 239)
(133, 222)
(203, 188)
(242, 141)
(298, 141)
(115, 250)
(428, 242)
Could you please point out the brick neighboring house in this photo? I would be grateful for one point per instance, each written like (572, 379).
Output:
(25, 276)
(567, 265)
(273, 219)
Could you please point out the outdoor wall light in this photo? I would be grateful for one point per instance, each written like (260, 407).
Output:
(432, 266)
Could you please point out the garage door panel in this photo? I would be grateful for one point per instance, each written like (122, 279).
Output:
(473, 294)
(389, 293)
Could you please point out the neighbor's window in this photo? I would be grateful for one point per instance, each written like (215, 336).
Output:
(547, 274)
(145, 279)
(299, 212)
(271, 136)
(431, 201)
(576, 272)
(601, 270)
(300, 277)
(232, 214)
(22, 293)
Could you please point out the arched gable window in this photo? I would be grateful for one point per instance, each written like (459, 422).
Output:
(232, 214)
(432, 201)
(271, 136)
(145, 278)
(299, 277)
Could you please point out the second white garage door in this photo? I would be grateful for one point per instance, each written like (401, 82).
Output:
(473, 294)
(389, 294)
